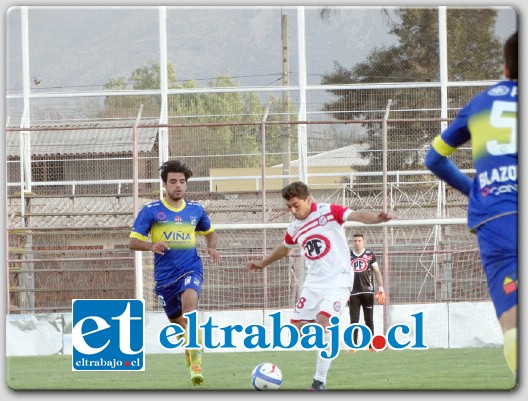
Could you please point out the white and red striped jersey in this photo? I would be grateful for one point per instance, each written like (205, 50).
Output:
(324, 247)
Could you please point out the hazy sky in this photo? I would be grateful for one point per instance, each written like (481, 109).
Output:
(75, 49)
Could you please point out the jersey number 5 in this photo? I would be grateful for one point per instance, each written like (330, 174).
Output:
(498, 119)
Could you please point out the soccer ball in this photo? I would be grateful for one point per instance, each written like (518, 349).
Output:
(266, 376)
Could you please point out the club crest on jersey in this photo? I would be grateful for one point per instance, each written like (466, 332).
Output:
(499, 90)
(359, 265)
(193, 220)
(337, 306)
(316, 246)
(323, 220)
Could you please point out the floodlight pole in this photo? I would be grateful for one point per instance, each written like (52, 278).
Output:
(163, 132)
(263, 190)
(138, 256)
(385, 229)
(27, 278)
(286, 102)
(302, 145)
(442, 39)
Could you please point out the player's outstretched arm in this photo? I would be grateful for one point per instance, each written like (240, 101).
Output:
(370, 218)
(278, 253)
(447, 171)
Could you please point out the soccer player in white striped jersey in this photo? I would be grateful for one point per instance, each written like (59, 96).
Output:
(318, 229)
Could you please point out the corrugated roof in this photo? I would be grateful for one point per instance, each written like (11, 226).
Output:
(82, 141)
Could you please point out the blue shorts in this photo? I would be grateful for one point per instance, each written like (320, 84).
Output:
(170, 296)
(498, 244)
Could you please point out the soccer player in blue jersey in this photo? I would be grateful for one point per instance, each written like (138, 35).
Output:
(489, 120)
(172, 225)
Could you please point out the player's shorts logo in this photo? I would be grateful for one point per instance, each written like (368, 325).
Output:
(509, 285)
(108, 335)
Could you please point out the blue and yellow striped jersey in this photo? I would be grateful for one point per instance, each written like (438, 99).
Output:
(490, 121)
(178, 229)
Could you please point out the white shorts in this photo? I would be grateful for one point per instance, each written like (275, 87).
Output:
(313, 301)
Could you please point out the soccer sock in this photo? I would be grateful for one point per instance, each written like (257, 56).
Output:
(195, 355)
(510, 349)
(322, 365)
(187, 356)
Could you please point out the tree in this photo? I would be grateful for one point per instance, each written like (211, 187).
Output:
(474, 53)
(141, 78)
(226, 144)
(223, 140)
(240, 145)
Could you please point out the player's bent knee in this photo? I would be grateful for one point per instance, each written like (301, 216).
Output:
(508, 319)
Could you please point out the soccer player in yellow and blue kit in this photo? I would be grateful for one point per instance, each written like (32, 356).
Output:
(489, 120)
(172, 224)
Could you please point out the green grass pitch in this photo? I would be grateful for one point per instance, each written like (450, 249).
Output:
(433, 369)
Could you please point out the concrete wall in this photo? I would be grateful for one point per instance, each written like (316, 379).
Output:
(446, 325)
(317, 182)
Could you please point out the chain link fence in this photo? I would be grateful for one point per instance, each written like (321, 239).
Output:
(68, 237)
(70, 161)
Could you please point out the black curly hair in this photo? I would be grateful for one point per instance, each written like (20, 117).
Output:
(174, 166)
